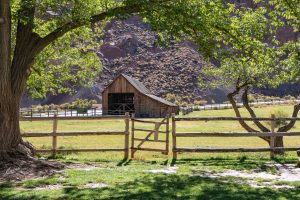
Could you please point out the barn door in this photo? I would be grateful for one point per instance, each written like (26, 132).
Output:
(153, 138)
(120, 103)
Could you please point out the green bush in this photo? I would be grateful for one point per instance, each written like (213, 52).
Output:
(171, 97)
(201, 102)
(251, 98)
(280, 114)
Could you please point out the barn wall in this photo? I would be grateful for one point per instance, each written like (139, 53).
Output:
(119, 85)
(144, 105)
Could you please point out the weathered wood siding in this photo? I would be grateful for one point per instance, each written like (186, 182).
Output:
(144, 105)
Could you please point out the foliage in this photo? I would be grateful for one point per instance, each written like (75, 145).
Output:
(66, 37)
(171, 97)
(242, 38)
(201, 102)
(77, 104)
(280, 114)
(251, 98)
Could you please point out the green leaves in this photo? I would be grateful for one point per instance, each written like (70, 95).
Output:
(68, 63)
(243, 39)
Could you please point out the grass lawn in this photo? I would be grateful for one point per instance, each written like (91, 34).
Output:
(133, 179)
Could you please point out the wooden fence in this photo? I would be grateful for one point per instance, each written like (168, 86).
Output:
(155, 132)
(29, 112)
(272, 134)
(55, 134)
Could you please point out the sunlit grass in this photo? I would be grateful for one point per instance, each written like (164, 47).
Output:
(182, 126)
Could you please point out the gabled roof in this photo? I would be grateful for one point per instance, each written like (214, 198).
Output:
(142, 89)
(161, 100)
(137, 84)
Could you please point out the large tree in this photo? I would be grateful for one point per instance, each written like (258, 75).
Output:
(244, 40)
(45, 44)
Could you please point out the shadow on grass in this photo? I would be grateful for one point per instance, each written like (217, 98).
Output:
(234, 163)
(159, 186)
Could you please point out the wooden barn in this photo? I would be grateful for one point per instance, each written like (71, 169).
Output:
(126, 94)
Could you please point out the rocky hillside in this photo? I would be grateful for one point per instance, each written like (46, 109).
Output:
(130, 47)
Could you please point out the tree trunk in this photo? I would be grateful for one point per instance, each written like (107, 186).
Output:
(10, 136)
(279, 143)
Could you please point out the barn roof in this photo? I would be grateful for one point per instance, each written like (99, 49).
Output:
(141, 88)
(137, 84)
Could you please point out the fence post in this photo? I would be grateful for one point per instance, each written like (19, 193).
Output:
(132, 135)
(174, 137)
(54, 137)
(272, 138)
(167, 133)
(126, 151)
(298, 163)
(157, 125)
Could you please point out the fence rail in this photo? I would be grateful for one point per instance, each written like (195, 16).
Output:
(29, 112)
(72, 118)
(165, 132)
(272, 134)
(54, 134)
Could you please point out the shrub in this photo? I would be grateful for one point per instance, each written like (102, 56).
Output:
(93, 102)
(280, 114)
(201, 102)
(251, 98)
(64, 106)
(39, 108)
(171, 98)
(183, 104)
(196, 108)
(46, 107)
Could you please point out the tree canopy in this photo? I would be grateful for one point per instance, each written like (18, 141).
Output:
(68, 37)
(243, 38)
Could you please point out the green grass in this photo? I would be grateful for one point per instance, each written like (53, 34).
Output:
(132, 180)
(118, 141)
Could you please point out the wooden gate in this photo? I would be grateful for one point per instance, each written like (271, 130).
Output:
(156, 132)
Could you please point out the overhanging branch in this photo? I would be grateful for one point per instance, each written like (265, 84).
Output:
(59, 32)
(251, 112)
(291, 124)
(237, 112)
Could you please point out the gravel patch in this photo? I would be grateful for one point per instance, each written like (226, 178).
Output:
(286, 173)
(49, 187)
(169, 170)
(95, 185)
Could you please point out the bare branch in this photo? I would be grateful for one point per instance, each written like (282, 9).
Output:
(291, 124)
(251, 112)
(237, 112)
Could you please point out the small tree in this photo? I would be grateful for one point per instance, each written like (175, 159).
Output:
(244, 41)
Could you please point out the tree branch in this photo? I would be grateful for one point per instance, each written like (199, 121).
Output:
(59, 32)
(291, 124)
(230, 96)
(251, 112)
(237, 112)
(24, 55)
